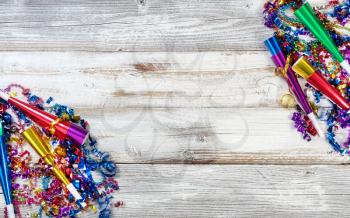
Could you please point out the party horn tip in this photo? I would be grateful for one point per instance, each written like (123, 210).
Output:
(315, 123)
(345, 65)
(10, 211)
(82, 204)
(75, 193)
(4, 96)
(303, 68)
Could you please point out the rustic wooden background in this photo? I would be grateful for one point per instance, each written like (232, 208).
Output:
(183, 95)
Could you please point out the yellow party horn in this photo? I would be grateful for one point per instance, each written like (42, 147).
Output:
(44, 150)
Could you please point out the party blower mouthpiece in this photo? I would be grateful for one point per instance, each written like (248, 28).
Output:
(279, 59)
(307, 16)
(5, 176)
(61, 129)
(44, 151)
(308, 72)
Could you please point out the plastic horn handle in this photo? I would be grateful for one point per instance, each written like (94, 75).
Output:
(315, 123)
(10, 211)
(345, 65)
(4, 96)
(75, 193)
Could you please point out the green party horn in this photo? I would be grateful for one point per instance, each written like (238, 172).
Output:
(307, 16)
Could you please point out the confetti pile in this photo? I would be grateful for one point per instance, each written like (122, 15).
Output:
(90, 170)
(297, 41)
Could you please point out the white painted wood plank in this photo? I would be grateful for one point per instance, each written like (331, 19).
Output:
(231, 190)
(123, 25)
(172, 107)
(210, 135)
(137, 25)
(143, 79)
(240, 191)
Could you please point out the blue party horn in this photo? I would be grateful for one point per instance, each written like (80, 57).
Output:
(5, 175)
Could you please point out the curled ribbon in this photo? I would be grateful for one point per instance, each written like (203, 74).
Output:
(283, 71)
(52, 129)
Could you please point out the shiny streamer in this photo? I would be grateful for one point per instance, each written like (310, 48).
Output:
(320, 35)
(90, 171)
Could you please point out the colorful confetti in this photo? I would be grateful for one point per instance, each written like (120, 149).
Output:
(90, 170)
(298, 41)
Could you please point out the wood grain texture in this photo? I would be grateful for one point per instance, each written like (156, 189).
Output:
(208, 107)
(125, 25)
(240, 191)
(133, 25)
(168, 84)
(211, 135)
(230, 191)
(147, 79)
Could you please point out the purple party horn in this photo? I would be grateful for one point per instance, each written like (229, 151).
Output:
(279, 59)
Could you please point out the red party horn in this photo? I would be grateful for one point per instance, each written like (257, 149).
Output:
(61, 129)
(308, 72)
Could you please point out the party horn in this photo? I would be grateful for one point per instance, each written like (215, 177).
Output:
(5, 175)
(279, 60)
(61, 129)
(308, 72)
(307, 16)
(43, 148)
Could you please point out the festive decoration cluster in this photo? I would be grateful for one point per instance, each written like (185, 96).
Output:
(72, 175)
(314, 43)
